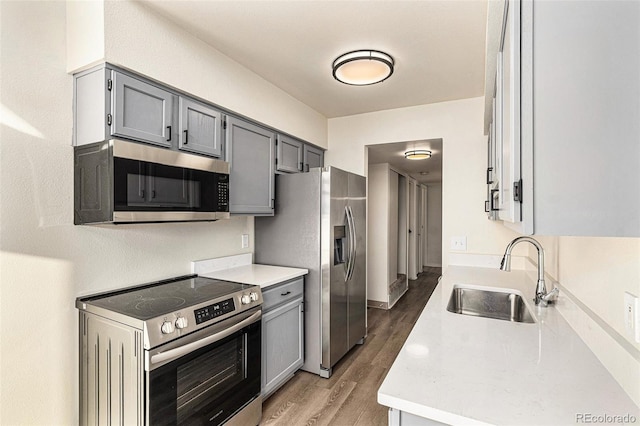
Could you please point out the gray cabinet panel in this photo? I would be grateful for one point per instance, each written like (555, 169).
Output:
(200, 128)
(141, 111)
(282, 337)
(251, 157)
(90, 105)
(289, 155)
(313, 157)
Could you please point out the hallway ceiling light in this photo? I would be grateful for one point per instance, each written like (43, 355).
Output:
(417, 154)
(363, 67)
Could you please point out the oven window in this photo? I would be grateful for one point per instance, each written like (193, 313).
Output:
(203, 379)
(209, 385)
(144, 186)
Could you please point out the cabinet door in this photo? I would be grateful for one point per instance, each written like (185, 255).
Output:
(313, 157)
(251, 157)
(508, 88)
(199, 128)
(282, 344)
(140, 110)
(289, 155)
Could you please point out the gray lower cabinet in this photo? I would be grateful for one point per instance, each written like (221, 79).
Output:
(282, 334)
(402, 418)
(313, 157)
(199, 128)
(289, 154)
(251, 157)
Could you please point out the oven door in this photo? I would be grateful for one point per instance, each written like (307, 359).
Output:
(206, 377)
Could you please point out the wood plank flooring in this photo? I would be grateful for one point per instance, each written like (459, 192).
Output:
(349, 396)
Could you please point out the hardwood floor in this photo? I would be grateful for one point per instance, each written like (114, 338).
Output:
(349, 396)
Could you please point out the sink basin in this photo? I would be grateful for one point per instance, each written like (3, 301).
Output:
(502, 305)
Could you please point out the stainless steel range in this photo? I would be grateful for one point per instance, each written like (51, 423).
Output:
(180, 351)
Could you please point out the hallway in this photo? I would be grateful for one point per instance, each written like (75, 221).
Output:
(349, 397)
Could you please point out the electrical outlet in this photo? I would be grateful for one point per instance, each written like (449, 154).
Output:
(459, 243)
(631, 315)
(245, 240)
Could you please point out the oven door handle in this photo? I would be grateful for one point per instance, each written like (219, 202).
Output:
(176, 353)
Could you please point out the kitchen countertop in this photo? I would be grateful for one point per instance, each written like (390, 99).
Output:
(459, 369)
(240, 269)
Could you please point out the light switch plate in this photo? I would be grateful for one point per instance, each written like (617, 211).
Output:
(245, 240)
(459, 243)
(631, 315)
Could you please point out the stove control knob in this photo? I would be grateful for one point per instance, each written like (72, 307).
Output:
(167, 327)
(181, 322)
(245, 299)
(253, 296)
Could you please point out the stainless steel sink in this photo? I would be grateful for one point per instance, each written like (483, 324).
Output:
(502, 305)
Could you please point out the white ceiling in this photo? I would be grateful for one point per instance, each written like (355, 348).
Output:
(438, 46)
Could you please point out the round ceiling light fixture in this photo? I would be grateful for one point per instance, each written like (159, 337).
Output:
(363, 67)
(417, 154)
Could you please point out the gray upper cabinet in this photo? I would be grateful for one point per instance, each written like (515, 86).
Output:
(140, 110)
(566, 116)
(313, 157)
(251, 156)
(199, 128)
(289, 154)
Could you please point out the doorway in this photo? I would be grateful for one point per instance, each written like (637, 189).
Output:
(404, 219)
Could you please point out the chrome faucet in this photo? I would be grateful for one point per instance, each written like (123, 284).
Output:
(542, 297)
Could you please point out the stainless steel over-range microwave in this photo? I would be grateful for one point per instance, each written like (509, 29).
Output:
(116, 181)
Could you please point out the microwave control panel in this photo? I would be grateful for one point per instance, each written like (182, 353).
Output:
(223, 192)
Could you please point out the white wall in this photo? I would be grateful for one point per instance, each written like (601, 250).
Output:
(433, 255)
(46, 261)
(460, 125)
(597, 272)
(377, 238)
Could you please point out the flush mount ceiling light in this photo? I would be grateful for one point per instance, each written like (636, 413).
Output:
(363, 67)
(417, 154)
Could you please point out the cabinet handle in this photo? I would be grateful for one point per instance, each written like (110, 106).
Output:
(285, 294)
(301, 167)
(492, 199)
(153, 194)
(306, 166)
(169, 131)
(186, 138)
(489, 180)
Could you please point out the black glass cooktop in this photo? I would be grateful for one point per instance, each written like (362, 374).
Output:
(152, 300)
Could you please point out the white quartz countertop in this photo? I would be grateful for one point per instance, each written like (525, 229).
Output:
(239, 269)
(262, 275)
(459, 369)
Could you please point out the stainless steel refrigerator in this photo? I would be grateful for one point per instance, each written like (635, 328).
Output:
(320, 225)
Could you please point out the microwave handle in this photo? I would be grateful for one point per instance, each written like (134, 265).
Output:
(176, 353)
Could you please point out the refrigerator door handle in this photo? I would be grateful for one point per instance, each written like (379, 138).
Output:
(352, 243)
(349, 255)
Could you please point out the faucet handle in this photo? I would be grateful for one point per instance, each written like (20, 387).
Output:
(549, 298)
